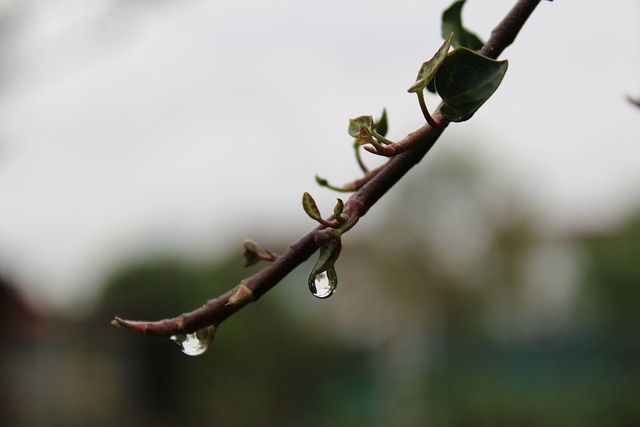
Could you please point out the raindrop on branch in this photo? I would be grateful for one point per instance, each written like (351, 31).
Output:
(323, 284)
(196, 343)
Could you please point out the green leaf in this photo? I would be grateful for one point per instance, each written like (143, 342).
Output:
(465, 81)
(355, 125)
(452, 23)
(310, 207)
(382, 125)
(361, 128)
(431, 87)
(428, 70)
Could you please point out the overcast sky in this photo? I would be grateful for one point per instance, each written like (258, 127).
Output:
(134, 124)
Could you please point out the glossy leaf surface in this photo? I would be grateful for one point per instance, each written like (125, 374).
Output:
(465, 81)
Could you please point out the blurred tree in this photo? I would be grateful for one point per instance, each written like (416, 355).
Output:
(614, 280)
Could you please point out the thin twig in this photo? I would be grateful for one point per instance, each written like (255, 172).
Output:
(507, 30)
(425, 110)
(214, 311)
(363, 167)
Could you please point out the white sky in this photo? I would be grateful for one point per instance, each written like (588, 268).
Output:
(134, 124)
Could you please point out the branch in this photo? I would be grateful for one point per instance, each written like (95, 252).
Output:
(215, 311)
(505, 33)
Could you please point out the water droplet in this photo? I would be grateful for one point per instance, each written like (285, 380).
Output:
(196, 343)
(323, 285)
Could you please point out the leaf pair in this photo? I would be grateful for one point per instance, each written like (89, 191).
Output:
(464, 79)
(364, 129)
(311, 208)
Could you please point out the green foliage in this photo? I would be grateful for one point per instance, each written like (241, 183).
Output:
(428, 70)
(310, 207)
(382, 125)
(463, 78)
(355, 125)
(452, 23)
(465, 81)
(614, 279)
(361, 128)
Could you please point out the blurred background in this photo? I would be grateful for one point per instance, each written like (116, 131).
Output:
(142, 140)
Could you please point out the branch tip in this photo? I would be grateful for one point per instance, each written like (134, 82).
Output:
(132, 325)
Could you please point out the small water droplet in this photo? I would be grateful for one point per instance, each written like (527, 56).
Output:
(196, 343)
(324, 284)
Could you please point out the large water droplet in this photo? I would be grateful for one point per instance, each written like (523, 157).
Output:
(324, 284)
(196, 343)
